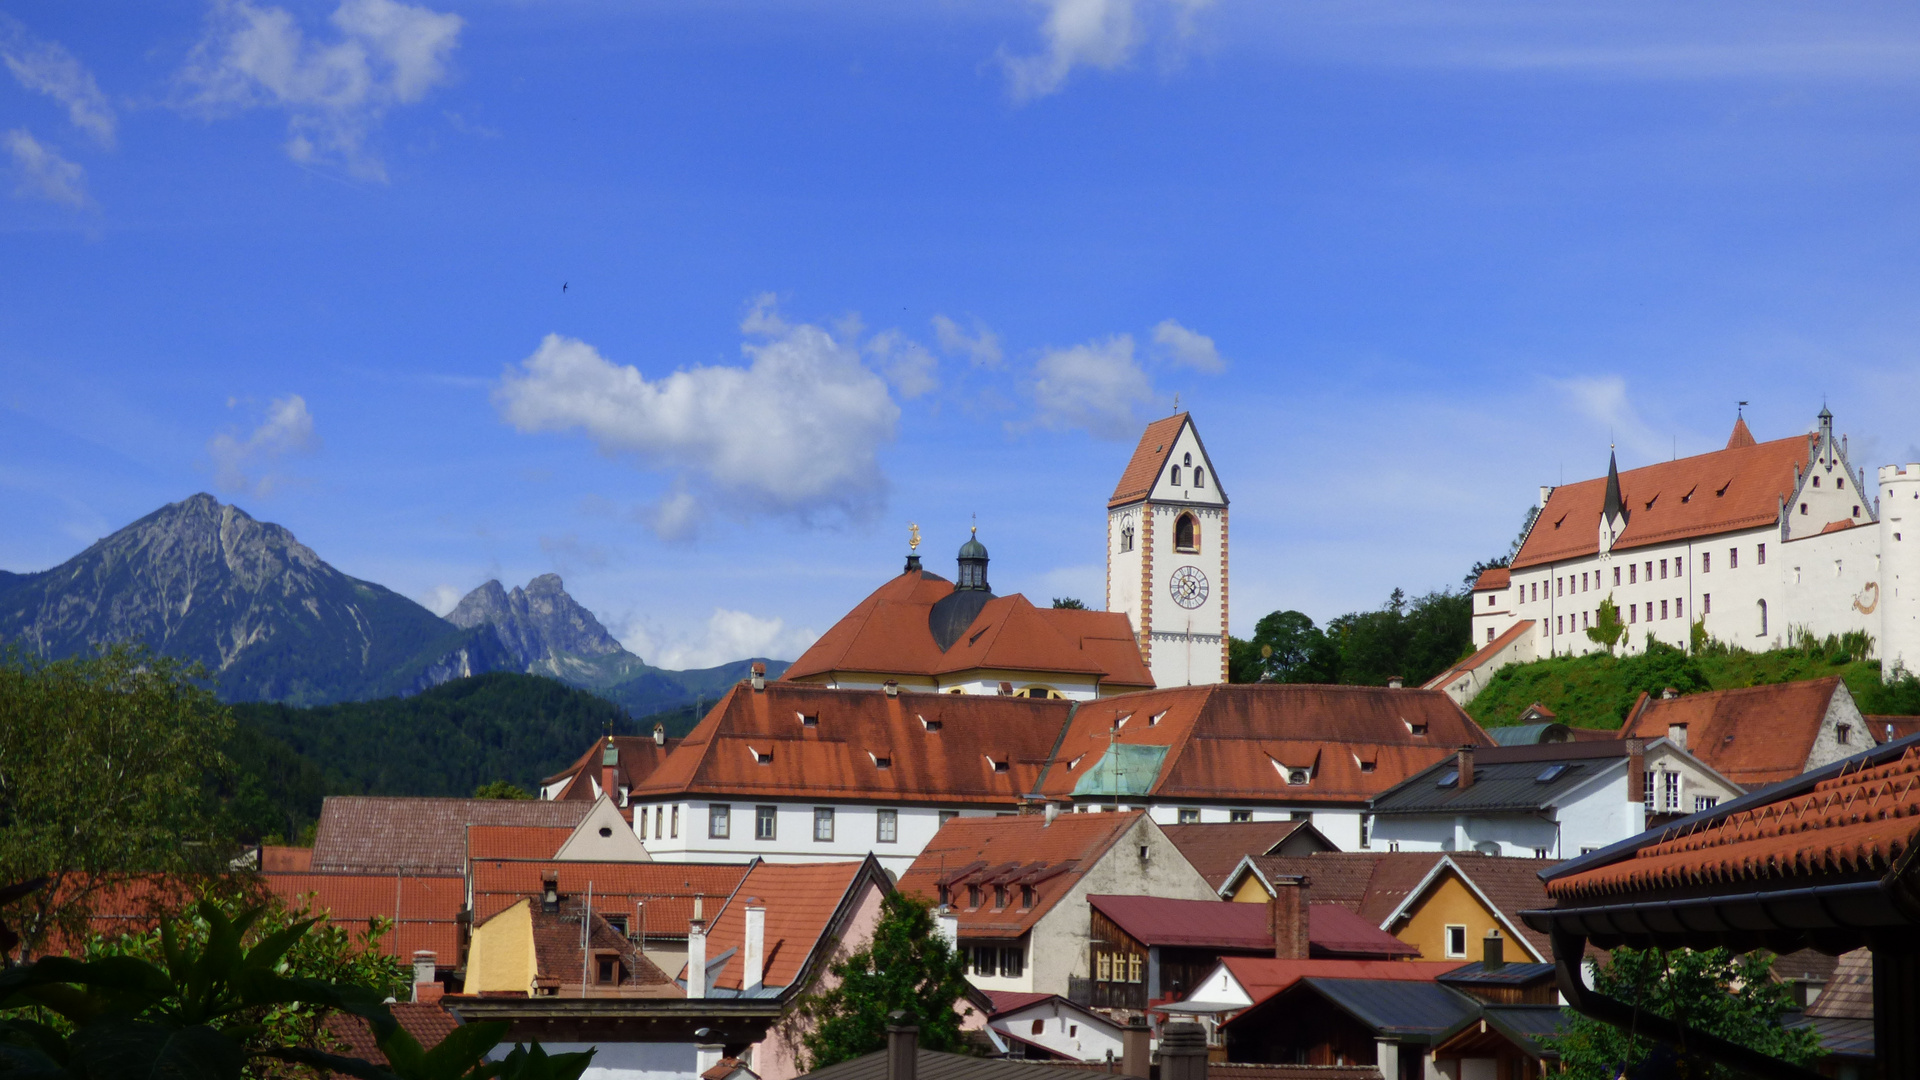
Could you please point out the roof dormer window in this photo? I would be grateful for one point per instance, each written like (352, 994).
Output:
(809, 719)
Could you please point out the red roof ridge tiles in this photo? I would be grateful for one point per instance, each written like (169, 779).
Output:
(1480, 656)
(1149, 458)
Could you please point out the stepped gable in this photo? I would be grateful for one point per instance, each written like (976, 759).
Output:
(802, 740)
(1232, 742)
(1739, 487)
(1753, 736)
(388, 834)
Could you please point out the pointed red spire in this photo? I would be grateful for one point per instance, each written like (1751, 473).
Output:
(1741, 436)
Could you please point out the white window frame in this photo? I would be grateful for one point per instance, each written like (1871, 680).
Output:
(719, 821)
(768, 816)
(1448, 944)
(823, 816)
(886, 826)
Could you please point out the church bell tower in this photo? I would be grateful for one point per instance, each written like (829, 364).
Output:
(1167, 555)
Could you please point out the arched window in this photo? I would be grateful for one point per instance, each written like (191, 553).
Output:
(1199, 478)
(1763, 618)
(1174, 476)
(1186, 534)
(1126, 538)
(1186, 459)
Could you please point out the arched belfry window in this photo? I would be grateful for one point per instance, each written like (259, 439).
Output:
(1126, 538)
(1174, 476)
(1186, 534)
(1199, 478)
(1186, 459)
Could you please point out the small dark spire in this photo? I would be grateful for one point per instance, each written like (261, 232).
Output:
(1615, 505)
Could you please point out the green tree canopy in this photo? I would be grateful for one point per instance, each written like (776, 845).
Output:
(501, 789)
(1068, 602)
(907, 967)
(1607, 629)
(1286, 648)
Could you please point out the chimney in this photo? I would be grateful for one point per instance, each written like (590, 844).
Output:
(1183, 1052)
(1677, 735)
(1669, 694)
(706, 1056)
(1395, 682)
(1493, 952)
(610, 770)
(759, 675)
(1636, 770)
(1136, 1049)
(1287, 916)
(1465, 764)
(903, 1047)
(946, 923)
(697, 956)
(754, 955)
(659, 734)
(425, 986)
(1051, 811)
(550, 892)
(892, 687)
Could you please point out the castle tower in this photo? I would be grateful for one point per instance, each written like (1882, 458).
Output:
(1899, 585)
(1167, 555)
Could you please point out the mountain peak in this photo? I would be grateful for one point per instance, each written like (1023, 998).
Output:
(540, 624)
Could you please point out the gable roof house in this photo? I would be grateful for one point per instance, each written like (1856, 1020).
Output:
(1251, 752)
(613, 765)
(1018, 889)
(1549, 801)
(1758, 735)
(923, 632)
(651, 903)
(1218, 848)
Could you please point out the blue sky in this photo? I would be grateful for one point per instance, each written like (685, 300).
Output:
(832, 268)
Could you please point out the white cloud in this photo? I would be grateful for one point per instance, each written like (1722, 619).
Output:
(43, 173)
(1095, 386)
(1188, 348)
(46, 68)
(287, 429)
(795, 432)
(1604, 400)
(442, 599)
(1088, 33)
(906, 363)
(982, 346)
(384, 54)
(726, 637)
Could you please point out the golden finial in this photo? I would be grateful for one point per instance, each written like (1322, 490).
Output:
(913, 536)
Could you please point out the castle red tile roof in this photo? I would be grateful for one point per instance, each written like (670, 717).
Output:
(1739, 487)
(1850, 826)
(1480, 656)
(1216, 848)
(889, 633)
(425, 910)
(1493, 577)
(807, 908)
(381, 834)
(515, 841)
(427, 1022)
(863, 744)
(666, 890)
(1219, 924)
(1011, 852)
(1753, 736)
(1237, 742)
(639, 756)
(1148, 461)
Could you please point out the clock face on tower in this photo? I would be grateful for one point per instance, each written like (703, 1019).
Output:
(1188, 586)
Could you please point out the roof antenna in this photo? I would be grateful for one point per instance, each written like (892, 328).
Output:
(1176, 402)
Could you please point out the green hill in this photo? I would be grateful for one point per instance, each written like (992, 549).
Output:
(1597, 690)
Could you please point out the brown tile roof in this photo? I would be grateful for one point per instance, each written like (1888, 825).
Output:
(365, 833)
(515, 841)
(1719, 491)
(425, 910)
(1850, 826)
(1754, 736)
(807, 905)
(1218, 924)
(889, 633)
(1011, 852)
(1371, 884)
(1741, 436)
(1902, 726)
(639, 756)
(1511, 886)
(1262, 977)
(276, 859)
(425, 1021)
(666, 889)
(1215, 849)
(1480, 656)
(1234, 743)
(1493, 577)
(986, 751)
(1149, 458)
(563, 963)
(1849, 994)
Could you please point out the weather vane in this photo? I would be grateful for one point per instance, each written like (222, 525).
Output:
(1741, 411)
(913, 536)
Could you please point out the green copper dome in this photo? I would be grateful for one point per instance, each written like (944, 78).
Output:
(973, 548)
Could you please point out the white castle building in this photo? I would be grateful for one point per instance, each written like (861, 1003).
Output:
(1167, 555)
(1756, 542)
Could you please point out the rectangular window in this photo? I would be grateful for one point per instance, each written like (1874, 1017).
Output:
(986, 960)
(1559, 586)
(1842, 733)
(1583, 581)
(1705, 802)
(1663, 569)
(1649, 793)
(1393, 845)
(717, 816)
(1103, 968)
(659, 823)
(1456, 941)
(1616, 575)
(1583, 620)
(1633, 573)
(1760, 555)
(1366, 831)
(607, 970)
(1649, 569)
(1239, 815)
(1733, 558)
(674, 834)
(765, 822)
(822, 824)
(1671, 785)
(886, 826)
(1558, 624)
(1663, 609)
(1536, 590)
(1013, 962)
(1706, 562)
(1679, 609)
(1133, 967)
(1541, 853)
(1633, 613)
(1189, 815)
(1706, 603)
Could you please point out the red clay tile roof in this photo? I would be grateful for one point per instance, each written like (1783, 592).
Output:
(1218, 924)
(1754, 736)
(1719, 491)
(1371, 884)
(1006, 1001)
(1902, 726)
(1851, 826)
(1480, 656)
(1493, 577)
(425, 1021)
(1215, 849)
(1741, 436)
(1235, 743)
(639, 756)
(1262, 977)
(1149, 458)
(277, 859)
(987, 751)
(561, 960)
(425, 910)
(888, 633)
(515, 841)
(374, 834)
(1011, 852)
(806, 905)
(666, 889)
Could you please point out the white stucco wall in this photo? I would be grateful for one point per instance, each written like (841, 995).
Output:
(855, 832)
(1341, 825)
(1063, 1030)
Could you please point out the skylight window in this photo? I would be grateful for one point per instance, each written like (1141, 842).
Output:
(880, 762)
(1448, 778)
(1550, 774)
(761, 757)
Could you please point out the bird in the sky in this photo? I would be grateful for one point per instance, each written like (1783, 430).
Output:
(563, 286)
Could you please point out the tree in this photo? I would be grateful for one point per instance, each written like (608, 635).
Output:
(1472, 577)
(908, 967)
(1607, 629)
(107, 764)
(1286, 648)
(1414, 641)
(1068, 602)
(501, 789)
(1733, 997)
